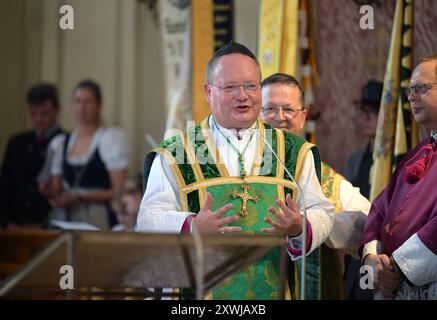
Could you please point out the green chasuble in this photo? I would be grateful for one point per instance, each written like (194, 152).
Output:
(197, 167)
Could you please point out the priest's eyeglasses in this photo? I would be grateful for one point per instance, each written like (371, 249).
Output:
(249, 88)
(274, 109)
(420, 88)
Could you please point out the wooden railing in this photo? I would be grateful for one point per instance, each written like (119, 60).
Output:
(18, 246)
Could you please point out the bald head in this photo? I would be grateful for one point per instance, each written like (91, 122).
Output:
(230, 48)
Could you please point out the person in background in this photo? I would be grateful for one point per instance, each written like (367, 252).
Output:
(127, 204)
(90, 164)
(358, 172)
(360, 162)
(284, 107)
(21, 203)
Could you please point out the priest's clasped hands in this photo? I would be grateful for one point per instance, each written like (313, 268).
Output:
(386, 274)
(287, 223)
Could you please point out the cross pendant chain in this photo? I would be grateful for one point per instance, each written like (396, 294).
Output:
(245, 197)
(243, 172)
(241, 165)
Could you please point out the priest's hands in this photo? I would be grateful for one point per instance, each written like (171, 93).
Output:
(207, 221)
(289, 223)
(387, 276)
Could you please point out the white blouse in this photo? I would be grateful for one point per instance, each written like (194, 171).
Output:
(112, 143)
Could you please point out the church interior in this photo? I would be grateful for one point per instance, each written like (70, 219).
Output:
(149, 59)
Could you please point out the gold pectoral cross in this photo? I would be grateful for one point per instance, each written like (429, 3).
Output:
(245, 196)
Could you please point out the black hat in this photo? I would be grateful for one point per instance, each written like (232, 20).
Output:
(234, 47)
(371, 95)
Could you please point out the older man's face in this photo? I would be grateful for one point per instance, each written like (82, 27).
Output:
(423, 98)
(237, 108)
(282, 107)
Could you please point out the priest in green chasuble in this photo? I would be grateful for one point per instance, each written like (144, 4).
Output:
(220, 177)
(284, 107)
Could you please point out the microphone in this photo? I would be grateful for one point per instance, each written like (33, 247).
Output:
(304, 216)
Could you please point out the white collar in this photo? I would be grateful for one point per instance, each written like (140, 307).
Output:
(240, 134)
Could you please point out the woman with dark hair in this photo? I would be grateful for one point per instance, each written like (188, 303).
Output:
(90, 164)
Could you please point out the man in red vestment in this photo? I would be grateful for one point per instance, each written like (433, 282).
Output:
(400, 237)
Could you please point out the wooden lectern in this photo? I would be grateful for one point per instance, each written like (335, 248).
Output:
(117, 265)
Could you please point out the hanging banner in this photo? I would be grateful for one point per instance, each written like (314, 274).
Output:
(203, 49)
(223, 22)
(289, 40)
(392, 137)
(175, 22)
(407, 130)
(270, 36)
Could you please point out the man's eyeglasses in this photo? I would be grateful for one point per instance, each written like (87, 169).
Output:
(420, 88)
(271, 110)
(234, 88)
